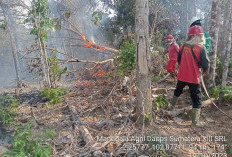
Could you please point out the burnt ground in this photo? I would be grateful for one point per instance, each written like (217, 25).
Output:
(96, 120)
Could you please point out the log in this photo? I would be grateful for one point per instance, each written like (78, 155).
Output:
(207, 102)
(97, 154)
(75, 118)
(85, 134)
(96, 147)
(164, 78)
(17, 93)
(112, 49)
(159, 90)
(174, 113)
(93, 146)
(177, 112)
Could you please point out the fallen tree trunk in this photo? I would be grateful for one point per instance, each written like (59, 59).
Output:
(164, 78)
(85, 134)
(177, 112)
(91, 146)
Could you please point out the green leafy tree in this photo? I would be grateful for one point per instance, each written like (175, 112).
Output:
(97, 16)
(126, 57)
(56, 71)
(39, 15)
(125, 13)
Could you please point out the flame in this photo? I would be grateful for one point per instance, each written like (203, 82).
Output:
(83, 37)
(86, 83)
(100, 73)
(89, 44)
(101, 81)
(102, 48)
(89, 83)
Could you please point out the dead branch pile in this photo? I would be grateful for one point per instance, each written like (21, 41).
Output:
(93, 120)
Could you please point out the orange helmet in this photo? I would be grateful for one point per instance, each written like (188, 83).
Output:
(195, 30)
(169, 37)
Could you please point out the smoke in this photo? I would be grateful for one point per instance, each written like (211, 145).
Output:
(81, 18)
(7, 70)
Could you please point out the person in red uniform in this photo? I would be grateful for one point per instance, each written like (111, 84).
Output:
(173, 50)
(191, 57)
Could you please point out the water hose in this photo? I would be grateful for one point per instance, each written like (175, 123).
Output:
(203, 84)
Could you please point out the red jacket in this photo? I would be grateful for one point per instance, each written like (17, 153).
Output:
(173, 50)
(189, 69)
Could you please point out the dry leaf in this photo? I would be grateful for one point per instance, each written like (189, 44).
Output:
(110, 147)
(95, 119)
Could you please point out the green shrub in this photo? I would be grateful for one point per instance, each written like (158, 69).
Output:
(157, 145)
(25, 144)
(160, 101)
(229, 150)
(219, 67)
(8, 107)
(155, 78)
(227, 92)
(230, 67)
(160, 49)
(54, 95)
(56, 71)
(126, 57)
(148, 118)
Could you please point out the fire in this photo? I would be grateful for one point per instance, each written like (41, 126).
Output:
(83, 37)
(91, 44)
(101, 81)
(100, 73)
(102, 48)
(86, 83)
(89, 83)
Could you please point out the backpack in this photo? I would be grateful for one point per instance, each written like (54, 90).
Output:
(194, 56)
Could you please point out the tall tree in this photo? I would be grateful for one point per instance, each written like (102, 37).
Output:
(195, 7)
(227, 32)
(143, 79)
(224, 30)
(187, 17)
(38, 15)
(182, 19)
(5, 10)
(214, 29)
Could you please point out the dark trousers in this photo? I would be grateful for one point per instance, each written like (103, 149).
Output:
(195, 91)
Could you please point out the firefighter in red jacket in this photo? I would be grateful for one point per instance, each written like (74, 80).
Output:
(173, 50)
(191, 57)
